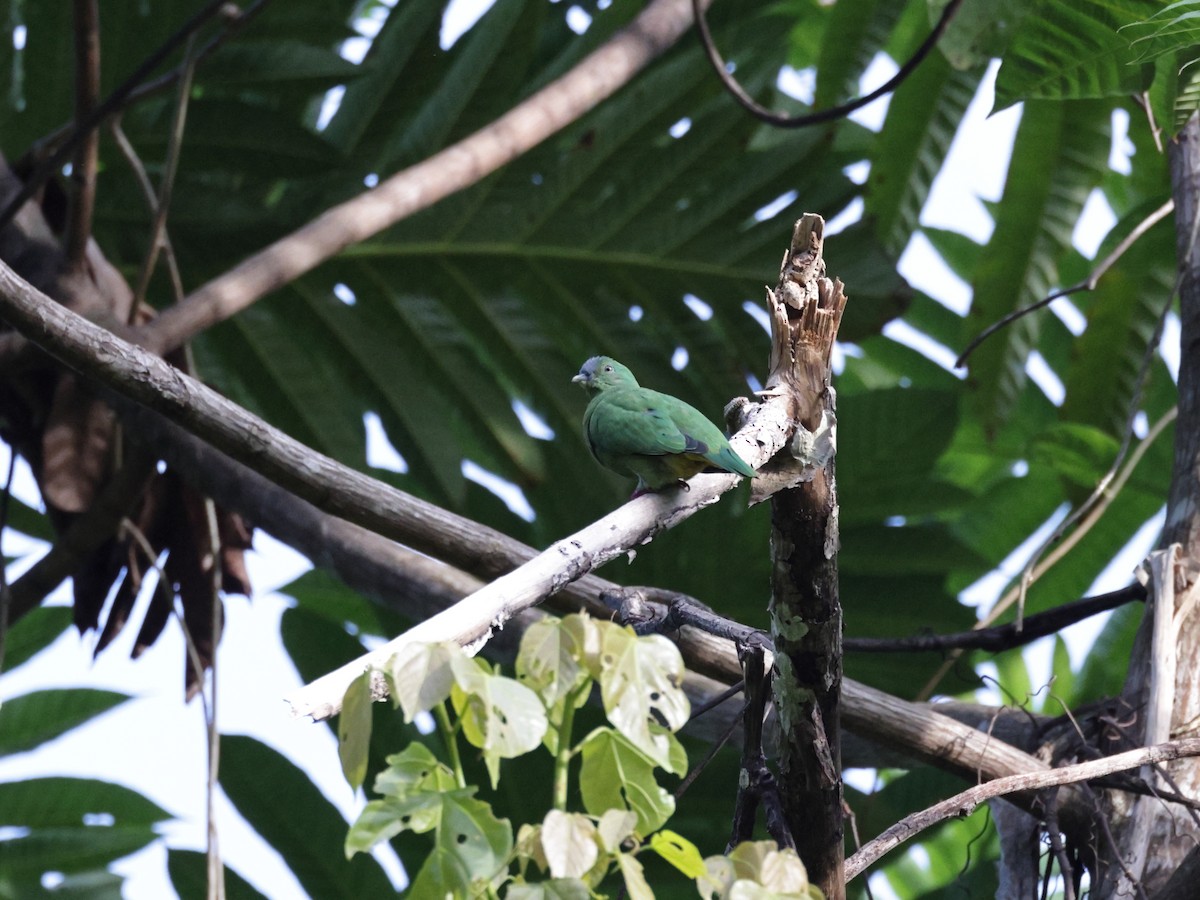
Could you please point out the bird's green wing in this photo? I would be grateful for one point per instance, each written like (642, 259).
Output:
(636, 422)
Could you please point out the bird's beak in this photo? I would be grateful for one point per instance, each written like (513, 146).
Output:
(581, 378)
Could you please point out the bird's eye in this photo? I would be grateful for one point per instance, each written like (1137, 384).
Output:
(608, 368)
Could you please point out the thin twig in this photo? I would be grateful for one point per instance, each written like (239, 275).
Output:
(964, 803)
(216, 871)
(143, 180)
(163, 587)
(79, 130)
(1088, 284)
(162, 203)
(1003, 637)
(782, 120)
(1065, 547)
(87, 94)
(1050, 802)
(713, 749)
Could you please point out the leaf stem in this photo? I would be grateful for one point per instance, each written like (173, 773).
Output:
(450, 738)
(562, 759)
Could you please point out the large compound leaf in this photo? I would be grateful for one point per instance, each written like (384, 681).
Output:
(290, 813)
(1060, 154)
(32, 719)
(1073, 49)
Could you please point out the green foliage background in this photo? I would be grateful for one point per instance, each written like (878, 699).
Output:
(496, 295)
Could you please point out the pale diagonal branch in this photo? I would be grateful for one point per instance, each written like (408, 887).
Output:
(597, 77)
(963, 804)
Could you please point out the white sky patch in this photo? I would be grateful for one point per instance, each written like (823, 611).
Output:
(578, 19)
(381, 454)
(1094, 223)
(987, 590)
(330, 105)
(460, 16)
(371, 179)
(858, 171)
(1068, 313)
(679, 359)
(775, 207)
(24, 485)
(1020, 468)
(840, 351)
(880, 69)
(758, 313)
(865, 780)
(1121, 155)
(535, 426)
(847, 217)
(636, 313)
(20, 34)
(345, 294)
(1141, 424)
(1045, 378)
(902, 333)
(923, 268)
(799, 84)
(702, 310)
(964, 177)
(1169, 348)
(680, 128)
(513, 496)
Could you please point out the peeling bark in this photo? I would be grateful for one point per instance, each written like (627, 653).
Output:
(806, 615)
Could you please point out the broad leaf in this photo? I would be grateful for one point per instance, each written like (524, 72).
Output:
(616, 774)
(641, 686)
(32, 719)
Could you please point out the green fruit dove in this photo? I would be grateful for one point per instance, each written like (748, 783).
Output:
(654, 437)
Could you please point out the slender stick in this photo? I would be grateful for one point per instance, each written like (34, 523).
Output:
(1088, 284)
(87, 95)
(781, 120)
(964, 803)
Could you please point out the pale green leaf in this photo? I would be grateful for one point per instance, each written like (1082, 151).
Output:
(615, 774)
(636, 886)
(586, 635)
(414, 770)
(501, 717)
(550, 659)
(641, 686)
(555, 889)
(569, 843)
(422, 675)
(354, 730)
(679, 852)
(472, 834)
(614, 827)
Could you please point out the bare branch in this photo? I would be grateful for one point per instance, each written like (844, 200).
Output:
(782, 120)
(82, 128)
(964, 803)
(1088, 284)
(1003, 637)
(594, 79)
(87, 94)
(161, 204)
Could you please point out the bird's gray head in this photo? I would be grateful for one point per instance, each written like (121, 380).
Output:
(603, 372)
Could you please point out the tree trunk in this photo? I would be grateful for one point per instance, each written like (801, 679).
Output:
(806, 616)
(1153, 837)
